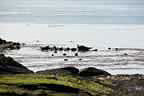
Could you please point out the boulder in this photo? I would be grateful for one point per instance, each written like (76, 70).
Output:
(83, 48)
(91, 71)
(46, 48)
(65, 70)
(9, 66)
(2, 41)
(73, 49)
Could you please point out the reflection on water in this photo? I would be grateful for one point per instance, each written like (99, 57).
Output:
(115, 62)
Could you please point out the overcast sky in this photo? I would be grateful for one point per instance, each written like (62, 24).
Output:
(73, 11)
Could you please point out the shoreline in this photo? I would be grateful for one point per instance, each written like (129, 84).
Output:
(17, 80)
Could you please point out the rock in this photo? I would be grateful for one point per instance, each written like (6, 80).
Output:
(52, 55)
(71, 69)
(116, 49)
(65, 59)
(67, 49)
(95, 50)
(61, 49)
(125, 54)
(66, 70)
(73, 49)
(64, 54)
(109, 48)
(91, 71)
(10, 66)
(46, 48)
(2, 41)
(76, 54)
(83, 48)
(9, 45)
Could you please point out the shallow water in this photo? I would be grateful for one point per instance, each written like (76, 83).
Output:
(112, 61)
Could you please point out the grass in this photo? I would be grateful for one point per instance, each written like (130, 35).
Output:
(9, 84)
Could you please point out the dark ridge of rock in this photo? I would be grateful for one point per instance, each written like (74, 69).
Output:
(71, 69)
(83, 48)
(2, 41)
(46, 48)
(91, 71)
(10, 66)
(53, 87)
(9, 45)
(66, 70)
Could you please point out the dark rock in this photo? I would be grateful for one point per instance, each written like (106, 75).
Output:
(46, 48)
(73, 49)
(13, 46)
(71, 69)
(95, 50)
(116, 49)
(83, 48)
(109, 48)
(9, 45)
(91, 71)
(66, 70)
(66, 49)
(2, 41)
(10, 66)
(65, 59)
(64, 54)
(80, 59)
(76, 54)
(61, 49)
(125, 54)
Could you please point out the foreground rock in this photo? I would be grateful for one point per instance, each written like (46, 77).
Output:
(91, 71)
(66, 70)
(10, 66)
(87, 72)
(127, 85)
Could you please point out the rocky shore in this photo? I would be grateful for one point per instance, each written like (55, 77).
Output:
(10, 66)
(9, 45)
(17, 80)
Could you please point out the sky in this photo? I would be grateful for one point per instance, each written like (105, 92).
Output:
(73, 11)
(113, 23)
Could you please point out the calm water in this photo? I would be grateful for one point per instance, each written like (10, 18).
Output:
(96, 23)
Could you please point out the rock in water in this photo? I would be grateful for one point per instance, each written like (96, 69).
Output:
(10, 66)
(83, 48)
(91, 71)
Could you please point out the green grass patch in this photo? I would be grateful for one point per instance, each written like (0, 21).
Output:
(10, 84)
